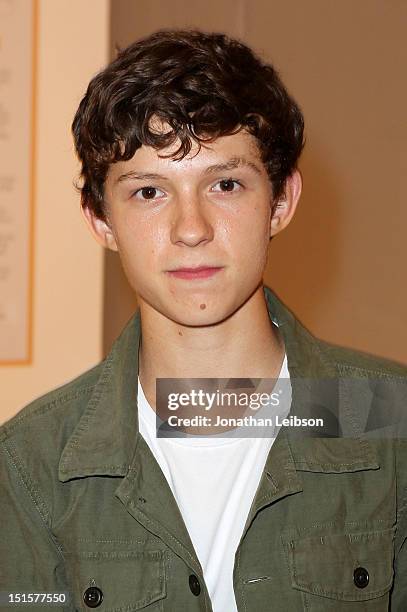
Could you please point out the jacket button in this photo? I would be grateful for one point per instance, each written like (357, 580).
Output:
(361, 577)
(194, 585)
(93, 597)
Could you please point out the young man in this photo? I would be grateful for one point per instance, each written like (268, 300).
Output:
(189, 146)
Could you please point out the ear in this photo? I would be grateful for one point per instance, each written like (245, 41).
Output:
(287, 204)
(100, 229)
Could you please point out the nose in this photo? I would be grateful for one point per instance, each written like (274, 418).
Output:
(191, 225)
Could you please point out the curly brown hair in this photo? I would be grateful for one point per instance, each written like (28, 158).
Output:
(203, 85)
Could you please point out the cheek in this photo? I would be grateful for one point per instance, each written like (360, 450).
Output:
(247, 237)
(141, 243)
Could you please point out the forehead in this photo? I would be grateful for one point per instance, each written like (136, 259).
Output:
(240, 147)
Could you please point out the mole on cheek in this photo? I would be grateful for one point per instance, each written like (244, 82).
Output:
(202, 306)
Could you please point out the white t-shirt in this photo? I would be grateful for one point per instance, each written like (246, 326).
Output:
(214, 480)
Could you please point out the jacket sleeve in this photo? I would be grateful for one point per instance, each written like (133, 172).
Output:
(399, 590)
(31, 560)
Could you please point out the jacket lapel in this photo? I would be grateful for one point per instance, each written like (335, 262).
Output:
(316, 389)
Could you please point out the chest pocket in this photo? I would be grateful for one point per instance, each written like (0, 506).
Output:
(343, 568)
(117, 581)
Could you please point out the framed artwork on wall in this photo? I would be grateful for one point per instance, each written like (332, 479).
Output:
(18, 25)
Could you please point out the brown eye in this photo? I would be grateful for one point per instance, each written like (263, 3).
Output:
(148, 193)
(227, 185)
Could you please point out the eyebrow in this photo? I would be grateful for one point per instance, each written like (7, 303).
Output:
(231, 164)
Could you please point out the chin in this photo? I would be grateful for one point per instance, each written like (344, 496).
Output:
(197, 317)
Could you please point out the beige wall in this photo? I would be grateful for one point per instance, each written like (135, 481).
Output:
(341, 264)
(68, 265)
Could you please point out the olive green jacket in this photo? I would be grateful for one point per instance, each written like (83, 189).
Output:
(85, 509)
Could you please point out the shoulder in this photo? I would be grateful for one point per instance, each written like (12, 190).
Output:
(54, 412)
(352, 362)
(32, 441)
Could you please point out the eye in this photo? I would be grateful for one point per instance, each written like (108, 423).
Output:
(227, 185)
(148, 193)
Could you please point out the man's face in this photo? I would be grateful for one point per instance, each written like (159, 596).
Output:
(210, 210)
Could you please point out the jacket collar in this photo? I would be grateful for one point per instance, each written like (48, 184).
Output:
(106, 436)
(104, 439)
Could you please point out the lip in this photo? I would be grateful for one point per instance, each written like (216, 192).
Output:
(192, 273)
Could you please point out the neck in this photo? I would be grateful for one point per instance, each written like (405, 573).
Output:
(246, 345)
